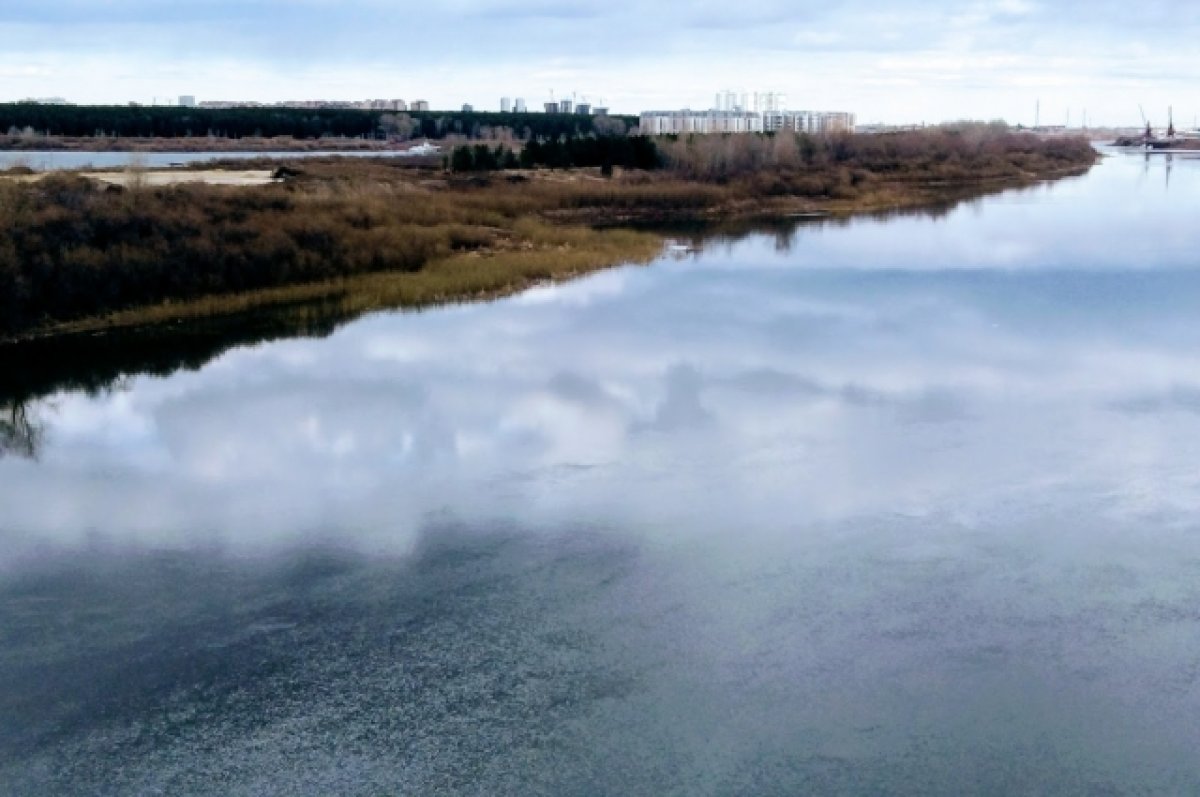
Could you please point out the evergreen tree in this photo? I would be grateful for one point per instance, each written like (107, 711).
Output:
(462, 160)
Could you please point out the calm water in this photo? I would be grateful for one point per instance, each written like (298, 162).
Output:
(900, 506)
(55, 160)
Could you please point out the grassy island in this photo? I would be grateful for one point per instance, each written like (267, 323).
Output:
(80, 254)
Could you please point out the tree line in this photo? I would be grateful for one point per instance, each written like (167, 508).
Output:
(125, 121)
(605, 152)
(71, 247)
(958, 151)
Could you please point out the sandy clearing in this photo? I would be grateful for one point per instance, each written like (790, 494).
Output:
(207, 176)
(126, 179)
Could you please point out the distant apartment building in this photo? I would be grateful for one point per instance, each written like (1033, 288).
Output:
(187, 101)
(664, 123)
(519, 105)
(420, 105)
(576, 105)
(747, 102)
(818, 122)
(769, 102)
(730, 101)
(235, 104)
(468, 108)
(505, 105)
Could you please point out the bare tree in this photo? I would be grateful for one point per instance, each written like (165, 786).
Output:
(608, 126)
(785, 152)
(19, 435)
(397, 126)
(137, 168)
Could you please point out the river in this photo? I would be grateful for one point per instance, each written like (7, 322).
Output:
(903, 505)
(60, 160)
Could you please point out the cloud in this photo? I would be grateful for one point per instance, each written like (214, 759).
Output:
(981, 59)
(1180, 398)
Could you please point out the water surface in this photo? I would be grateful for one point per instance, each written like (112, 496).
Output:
(59, 160)
(902, 505)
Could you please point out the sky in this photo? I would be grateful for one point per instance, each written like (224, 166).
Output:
(898, 61)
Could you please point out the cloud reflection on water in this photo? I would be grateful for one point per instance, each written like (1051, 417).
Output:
(934, 383)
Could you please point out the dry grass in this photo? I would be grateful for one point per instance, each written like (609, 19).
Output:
(565, 253)
(75, 254)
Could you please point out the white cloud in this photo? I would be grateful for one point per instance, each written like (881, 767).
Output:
(982, 59)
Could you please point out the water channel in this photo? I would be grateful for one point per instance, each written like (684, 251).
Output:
(59, 160)
(900, 505)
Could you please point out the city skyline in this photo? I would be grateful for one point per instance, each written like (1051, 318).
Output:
(903, 63)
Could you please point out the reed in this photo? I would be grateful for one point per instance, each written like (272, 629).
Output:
(449, 279)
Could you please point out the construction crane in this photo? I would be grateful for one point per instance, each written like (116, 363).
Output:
(1146, 122)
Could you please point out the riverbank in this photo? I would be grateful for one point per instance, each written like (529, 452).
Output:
(1158, 144)
(80, 256)
(158, 178)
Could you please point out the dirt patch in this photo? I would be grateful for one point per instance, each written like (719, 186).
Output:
(158, 179)
(173, 177)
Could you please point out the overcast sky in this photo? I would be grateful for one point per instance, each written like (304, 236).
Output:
(889, 60)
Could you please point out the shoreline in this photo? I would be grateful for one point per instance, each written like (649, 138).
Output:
(89, 257)
(528, 269)
(382, 290)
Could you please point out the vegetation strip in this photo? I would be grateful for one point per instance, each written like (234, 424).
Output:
(40, 126)
(76, 255)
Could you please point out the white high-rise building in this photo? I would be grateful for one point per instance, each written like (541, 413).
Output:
(750, 102)
(730, 101)
(187, 101)
(770, 102)
(519, 107)
(819, 121)
(505, 105)
(665, 123)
